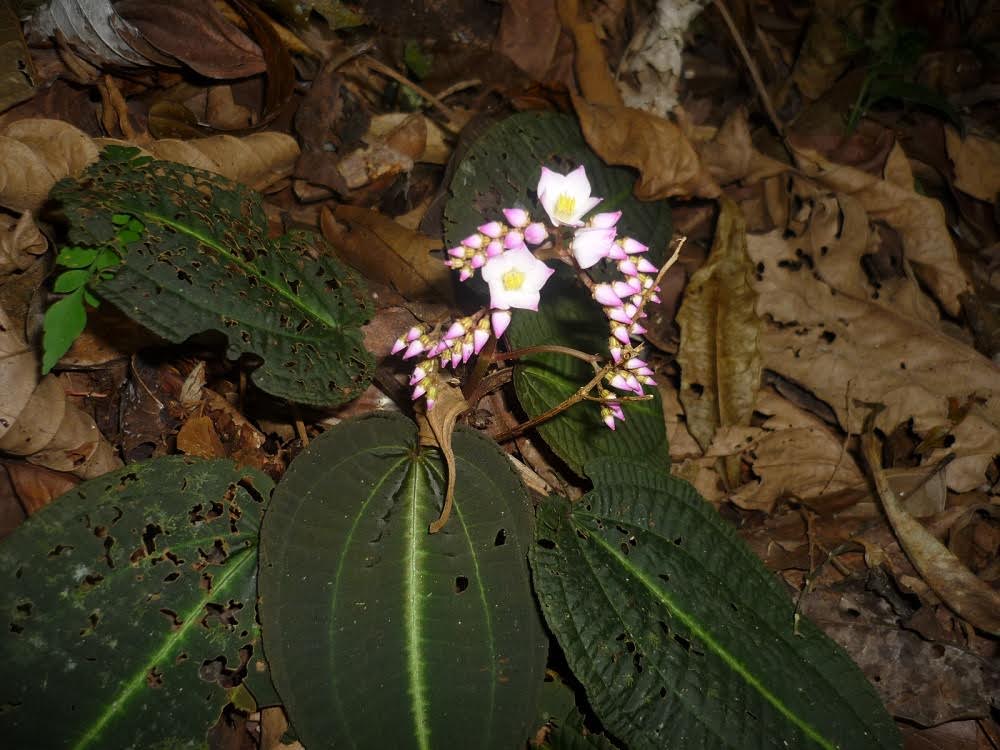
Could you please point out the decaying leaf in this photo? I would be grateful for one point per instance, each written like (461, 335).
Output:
(730, 155)
(957, 586)
(17, 70)
(20, 243)
(35, 153)
(435, 429)
(825, 52)
(667, 162)
(977, 164)
(719, 355)
(592, 72)
(920, 221)
(36, 419)
(388, 252)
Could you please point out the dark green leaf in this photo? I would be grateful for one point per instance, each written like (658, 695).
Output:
(380, 635)
(129, 608)
(120, 220)
(76, 257)
(681, 638)
(107, 259)
(205, 262)
(63, 322)
(501, 170)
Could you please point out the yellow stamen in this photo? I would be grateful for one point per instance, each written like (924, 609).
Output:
(513, 280)
(565, 205)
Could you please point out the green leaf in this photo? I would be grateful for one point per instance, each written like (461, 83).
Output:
(107, 258)
(120, 220)
(63, 322)
(679, 634)
(70, 281)
(76, 257)
(205, 262)
(129, 608)
(381, 635)
(501, 170)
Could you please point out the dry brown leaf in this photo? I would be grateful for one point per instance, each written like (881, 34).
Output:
(223, 113)
(667, 163)
(826, 51)
(957, 586)
(719, 355)
(198, 437)
(34, 153)
(920, 221)
(730, 155)
(977, 164)
(37, 486)
(530, 34)
(387, 252)
(435, 428)
(20, 243)
(842, 346)
(592, 72)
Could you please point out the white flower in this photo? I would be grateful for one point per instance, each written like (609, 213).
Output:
(566, 197)
(515, 279)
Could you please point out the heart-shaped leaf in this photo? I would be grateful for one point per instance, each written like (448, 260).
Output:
(129, 608)
(679, 635)
(501, 170)
(380, 634)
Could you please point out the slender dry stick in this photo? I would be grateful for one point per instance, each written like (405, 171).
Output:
(541, 349)
(399, 78)
(751, 67)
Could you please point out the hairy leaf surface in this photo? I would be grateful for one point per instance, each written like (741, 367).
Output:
(680, 636)
(381, 635)
(501, 170)
(129, 608)
(205, 262)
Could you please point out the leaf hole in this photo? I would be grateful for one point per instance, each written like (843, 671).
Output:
(461, 584)
(181, 657)
(679, 541)
(546, 544)
(698, 389)
(663, 692)
(683, 642)
(637, 662)
(154, 678)
(175, 620)
(152, 531)
(501, 538)
(171, 577)
(664, 577)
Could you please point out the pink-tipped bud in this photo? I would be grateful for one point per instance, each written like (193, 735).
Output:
(494, 249)
(536, 233)
(419, 373)
(492, 229)
(618, 381)
(475, 241)
(467, 349)
(616, 252)
(414, 333)
(609, 419)
(633, 247)
(615, 350)
(415, 348)
(513, 240)
(435, 350)
(418, 391)
(456, 356)
(457, 252)
(619, 315)
(645, 266)
(616, 409)
(635, 363)
(478, 260)
(655, 298)
(636, 330)
(627, 267)
(455, 330)
(605, 295)
(623, 289)
(479, 339)
(620, 332)
(516, 217)
(398, 346)
(605, 220)
(645, 379)
(465, 274)
(500, 320)
(633, 384)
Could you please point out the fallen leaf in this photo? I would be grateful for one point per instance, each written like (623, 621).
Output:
(826, 51)
(198, 437)
(957, 586)
(667, 163)
(719, 355)
(37, 486)
(919, 220)
(592, 72)
(435, 428)
(531, 36)
(20, 243)
(977, 164)
(730, 155)
(387, 252)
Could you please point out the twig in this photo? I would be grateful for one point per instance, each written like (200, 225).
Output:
(751, 67)
(399, 78)
(460, 86)
(541, 349)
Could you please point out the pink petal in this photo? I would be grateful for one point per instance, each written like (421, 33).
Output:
(633, 247)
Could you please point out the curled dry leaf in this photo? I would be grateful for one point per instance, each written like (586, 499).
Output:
(387, 252)
(530, 34)
(37, 486)
(719, 356)
(730, 155)
(826, 51)
(35, 153)
(919, 220)
(435, 428)
(842, 345)
(20, 243)
(38, 422)
(977, 164)
(592, 72)
(667, 163)
(957, 586)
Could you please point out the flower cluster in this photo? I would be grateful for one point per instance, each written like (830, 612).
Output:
(500, 251)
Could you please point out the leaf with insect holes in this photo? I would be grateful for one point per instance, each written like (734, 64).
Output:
(63, 323)
(129, 608)
(198, 258)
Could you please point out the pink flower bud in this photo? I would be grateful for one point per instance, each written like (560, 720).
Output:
(457, 252)
(418, 391)
(492, 229)
(615, 252)
(633, 247)
(465, 274)
(479, 339)
(645, 266)
(398, 346)
(494, 249)
(435, 350)
(414, 333)
(609, 420)
(536, 233)
(616, 409)
(627, 267)
(415, 348)
(616, 350)
(619, 315)
(475, 241)
(636, 330)
(618, 381)
(477, 260)
(516, 217)
(455, 330)
(605, 220)
(500, 320)
(620, 332)
(605, 295)
(419, 373)
(622, 289)
(513, 239)
(467, 350)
